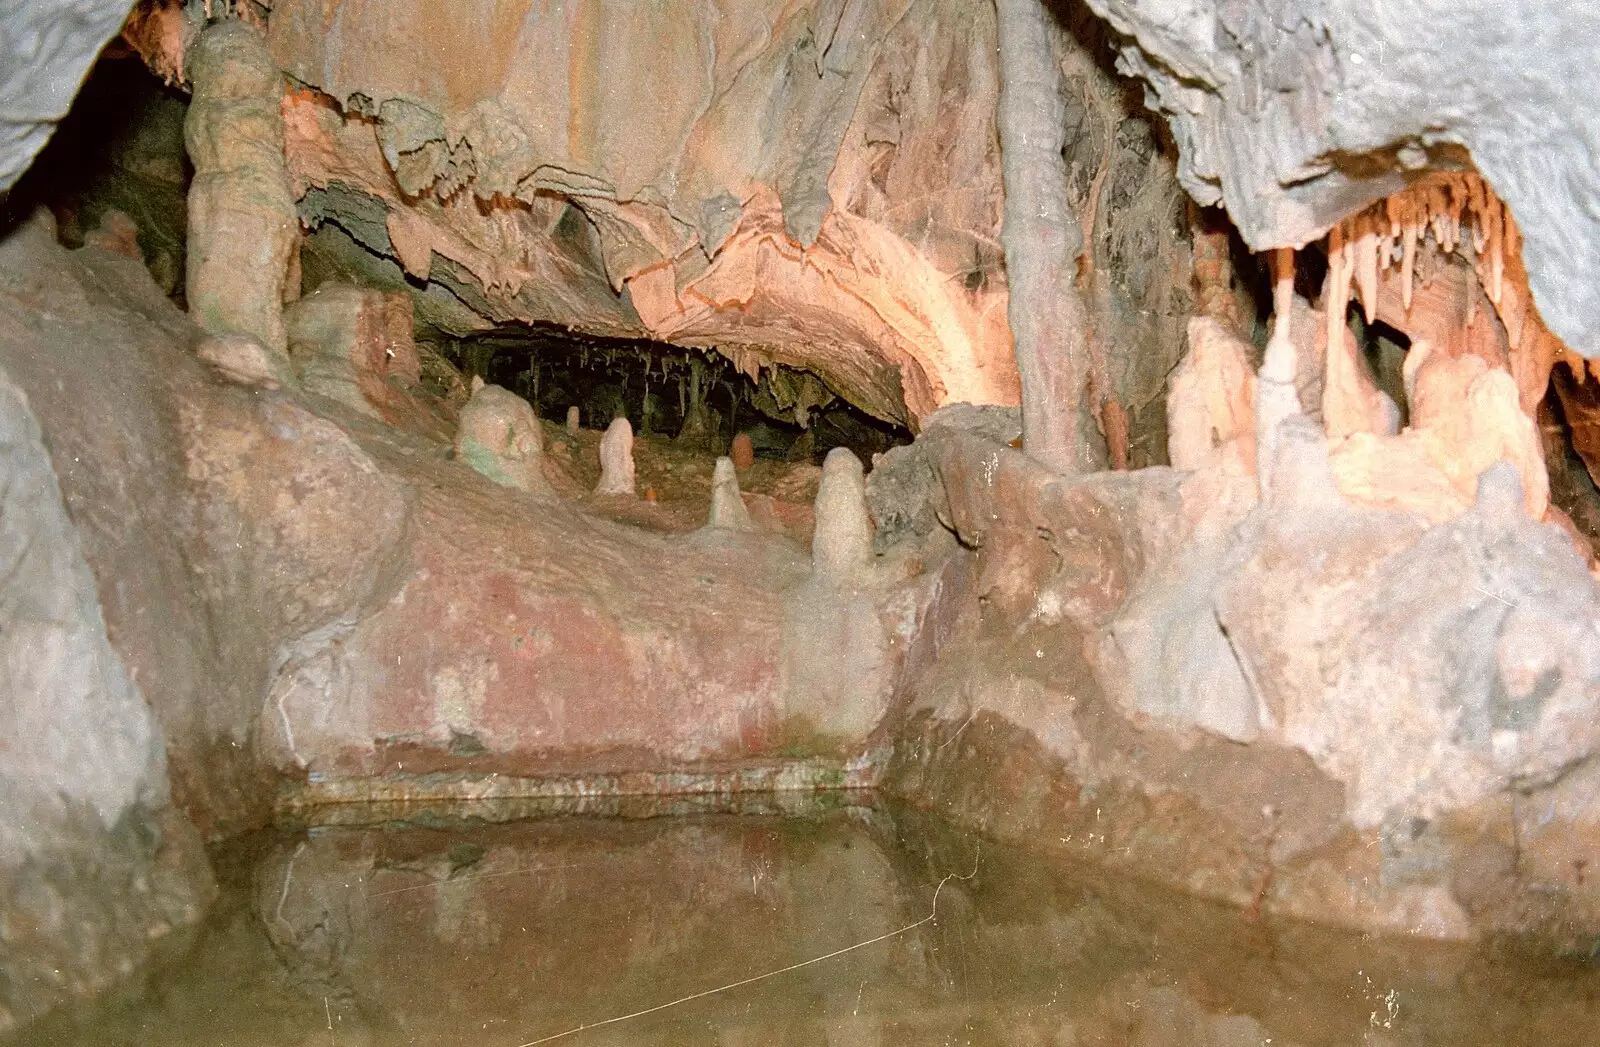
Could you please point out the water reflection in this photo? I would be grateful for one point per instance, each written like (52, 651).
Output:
(506, 935)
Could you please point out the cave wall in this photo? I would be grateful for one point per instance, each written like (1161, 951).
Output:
(96, 864)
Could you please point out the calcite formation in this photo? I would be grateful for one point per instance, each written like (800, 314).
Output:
(1296, 118)
(1336, 663)
(728, 511)
(616, 459)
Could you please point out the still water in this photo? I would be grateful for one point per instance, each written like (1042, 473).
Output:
(847, 926)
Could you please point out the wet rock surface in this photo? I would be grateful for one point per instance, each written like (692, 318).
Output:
(95, 866)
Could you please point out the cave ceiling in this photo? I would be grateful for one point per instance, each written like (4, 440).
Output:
(811, 184)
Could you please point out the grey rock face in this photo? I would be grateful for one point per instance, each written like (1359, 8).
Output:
(46, 50)
(70, 703)
(82, 770)
(1294, 115)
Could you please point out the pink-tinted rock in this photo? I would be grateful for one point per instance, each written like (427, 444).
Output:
(116, 233)
(541, 656)
(500, 437)
(1091, 683)
(242, 359)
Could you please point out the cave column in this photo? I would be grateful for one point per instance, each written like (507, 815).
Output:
(1049, 321)
(242, 224)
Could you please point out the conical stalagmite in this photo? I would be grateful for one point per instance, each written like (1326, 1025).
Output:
(841, 550)
(728, 511)
(616, 459)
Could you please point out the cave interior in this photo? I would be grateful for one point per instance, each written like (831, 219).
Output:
(832, 521)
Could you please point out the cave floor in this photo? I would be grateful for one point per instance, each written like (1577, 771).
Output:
(788, 921)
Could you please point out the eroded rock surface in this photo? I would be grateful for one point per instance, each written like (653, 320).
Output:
(46, 52)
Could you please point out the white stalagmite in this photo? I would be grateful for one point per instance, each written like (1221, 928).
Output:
(616, 459)
(728, 511)
(841, 550)
(1276, 398)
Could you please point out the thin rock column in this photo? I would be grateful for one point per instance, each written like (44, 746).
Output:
(1048, 317)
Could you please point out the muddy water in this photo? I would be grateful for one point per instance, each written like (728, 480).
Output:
(845, 926)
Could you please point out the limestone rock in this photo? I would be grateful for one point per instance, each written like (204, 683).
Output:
(1212, 401)
(242, 223)
(500, 437)
(82, 889)
(728, 511)
(47, 48)
(1400, 87)
(572, 420)
(1003, 425)
(616, 459)
(116, 233)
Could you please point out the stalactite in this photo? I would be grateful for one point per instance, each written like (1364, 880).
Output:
(1459, 213)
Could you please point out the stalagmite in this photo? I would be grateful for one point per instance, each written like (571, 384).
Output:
(742, 451)
(1276, 398)
(242, 222)
(500, 437)
(728, 511)
(841, 550)
(572, 420)
(1049, 322)
(1211, 406)
(616, 459)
